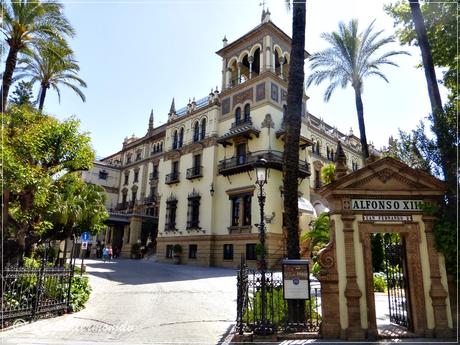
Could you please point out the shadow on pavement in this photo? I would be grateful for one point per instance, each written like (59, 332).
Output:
(136, 272)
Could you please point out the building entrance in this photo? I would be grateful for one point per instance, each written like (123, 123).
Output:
(391, 284)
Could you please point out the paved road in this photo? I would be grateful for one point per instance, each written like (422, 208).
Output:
(139, 302)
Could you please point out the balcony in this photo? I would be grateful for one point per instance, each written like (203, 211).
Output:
(153, 176)
(172, 178)
(242, 128)
(303, 141)
(194, 172)
(122, 206)
(243, 163)
(151, 199)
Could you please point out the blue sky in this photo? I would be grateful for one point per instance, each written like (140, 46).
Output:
(137, 55)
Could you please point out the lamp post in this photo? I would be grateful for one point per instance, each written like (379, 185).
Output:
(260, 166)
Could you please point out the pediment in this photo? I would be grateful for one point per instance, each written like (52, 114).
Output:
(386, 176)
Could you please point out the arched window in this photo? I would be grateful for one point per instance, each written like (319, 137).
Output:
(332, 155)
(175, 140)
(196, 132)
(328, 153)
(237, 115)
(161, 146)
(318, 148)
(247, 112)
(181, 137)
(203, 129)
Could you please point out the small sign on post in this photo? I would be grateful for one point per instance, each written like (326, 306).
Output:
(296, 279)
(84, 245)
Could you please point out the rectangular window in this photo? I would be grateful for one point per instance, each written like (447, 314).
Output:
(247, 210)
(126, 178)
(192, 250)
(169, 251)
(236, 211)
(197, 161)
(193, 212)
(175, 167)
(136, 176)
(171, 207)
(251, 251)
(103, 175)
(228, 251)
(138, 156)
(241, 153)
(317, 179)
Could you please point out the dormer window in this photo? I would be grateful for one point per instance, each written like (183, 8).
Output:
(196, 132)
(175, 141)
(181, 137)
(103, 174)
(203, 129)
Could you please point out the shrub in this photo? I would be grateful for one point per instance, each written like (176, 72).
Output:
(79, 292)
(277, 306)
(380, 284)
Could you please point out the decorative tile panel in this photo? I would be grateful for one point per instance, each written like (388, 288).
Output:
(260, 92)
(275, 92)
(225, 106)
(283, 95)
(243, 96)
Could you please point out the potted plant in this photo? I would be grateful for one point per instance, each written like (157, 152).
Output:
(177, 251)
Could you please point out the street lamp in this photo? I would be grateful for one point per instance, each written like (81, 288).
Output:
(260, 166)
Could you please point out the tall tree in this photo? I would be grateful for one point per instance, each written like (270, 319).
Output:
(22, 23)
(52, 63)
(22, 95)
(36, 150)
(292, 126)
(352, 56)
(293, 122)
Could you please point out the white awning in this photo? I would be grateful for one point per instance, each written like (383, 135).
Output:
(305, 206)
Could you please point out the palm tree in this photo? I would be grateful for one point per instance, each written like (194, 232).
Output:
(443, 141)
(351, 58)
(318, 235)
(51, 63)
(22, 23)
(292, 127)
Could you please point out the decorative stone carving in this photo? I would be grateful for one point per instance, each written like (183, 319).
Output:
(243, 96)
(267, 122)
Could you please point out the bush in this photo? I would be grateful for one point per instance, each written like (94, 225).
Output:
(380, 284)
(277, 306)
(79, 291)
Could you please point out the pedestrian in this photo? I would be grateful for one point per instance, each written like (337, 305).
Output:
(110, 253)
(105, 254)
(98, 250)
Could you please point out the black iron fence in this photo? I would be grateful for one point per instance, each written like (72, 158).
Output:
(33, 292)
(249, 304)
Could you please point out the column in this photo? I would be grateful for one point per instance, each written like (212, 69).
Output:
(438, 293)
(352, 291)
(282, 60)
(229, 77)
(239, 64)
(251, 60)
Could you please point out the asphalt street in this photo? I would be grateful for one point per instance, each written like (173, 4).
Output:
(143, 302)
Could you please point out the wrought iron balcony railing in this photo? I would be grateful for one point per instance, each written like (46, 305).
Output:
(172, 177)
(243, 163)
(194, 172)
(150, 199)
(241, 122)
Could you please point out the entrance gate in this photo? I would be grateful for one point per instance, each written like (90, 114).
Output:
(384, 197)
(397, 281)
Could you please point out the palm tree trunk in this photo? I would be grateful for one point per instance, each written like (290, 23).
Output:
(362, 128)
(293, 122)
(430, 74)
(42, 97)
(444, 140)
(10, 66)
(292, 126)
